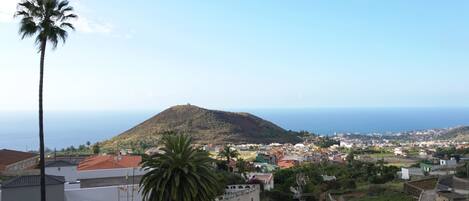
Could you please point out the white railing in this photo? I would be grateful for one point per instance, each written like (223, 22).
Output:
(235, 191)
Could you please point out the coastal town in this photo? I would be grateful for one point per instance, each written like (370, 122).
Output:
(421, 169)
(234, 100)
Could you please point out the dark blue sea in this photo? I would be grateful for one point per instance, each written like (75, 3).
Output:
(18, 130)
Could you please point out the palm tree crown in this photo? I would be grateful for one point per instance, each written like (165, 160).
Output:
(47, 19)
(181, 173)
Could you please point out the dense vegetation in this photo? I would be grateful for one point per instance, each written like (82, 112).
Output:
(457, 134)
(451, 151)
(463, 171)
(325, 142)
(348, 177)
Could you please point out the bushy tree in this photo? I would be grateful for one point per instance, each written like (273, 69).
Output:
(229, 153)
(96, 148)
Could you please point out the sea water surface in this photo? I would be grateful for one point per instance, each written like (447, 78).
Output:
(19, 130)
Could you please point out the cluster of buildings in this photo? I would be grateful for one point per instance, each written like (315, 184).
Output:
(96, 178)
(116, 177)
(271, 156)
(92, 178)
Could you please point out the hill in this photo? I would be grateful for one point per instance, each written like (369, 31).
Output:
(457, 134)
(206, 127)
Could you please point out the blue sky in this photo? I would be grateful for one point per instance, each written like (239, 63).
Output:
(139, 55)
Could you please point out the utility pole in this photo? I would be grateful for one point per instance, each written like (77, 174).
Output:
(133, 182)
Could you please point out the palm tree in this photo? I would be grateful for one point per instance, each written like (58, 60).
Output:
(243, 167)
(228, 153)
(181, 173)
(48, 20)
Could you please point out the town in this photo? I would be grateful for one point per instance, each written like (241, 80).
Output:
(425, 169)
(234, 100)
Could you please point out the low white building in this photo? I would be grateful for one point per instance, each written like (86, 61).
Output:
(99, 171)
(328, 178)
(62, 168)
(266, 178)
(241, 192)
(107, 193)
(346, 144)
(398, 151)
(451, 162)
(407, 173)
(27, 188)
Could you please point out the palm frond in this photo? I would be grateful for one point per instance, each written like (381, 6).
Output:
(180, 173)
(28, 27)
(67, 25)
(47, 19)
(62, 5)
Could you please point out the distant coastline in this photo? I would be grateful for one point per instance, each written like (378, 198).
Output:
(18, 129)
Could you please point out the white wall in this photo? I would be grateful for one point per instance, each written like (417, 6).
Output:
(241, 193)
(268, 185)
(448, 162)
(70, 172)
(405, 173)
(109, 193)
(106, 173)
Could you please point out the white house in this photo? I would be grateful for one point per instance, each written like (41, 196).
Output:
(398, 151)
(451, 162)
(346, 144)
(62, 168)
(100, 171)
(266, 178)
(407, 173)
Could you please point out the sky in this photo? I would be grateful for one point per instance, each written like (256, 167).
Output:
(141, 55)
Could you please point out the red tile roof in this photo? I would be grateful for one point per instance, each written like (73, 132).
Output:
(109, 162)
(8, 157)
(283, 164)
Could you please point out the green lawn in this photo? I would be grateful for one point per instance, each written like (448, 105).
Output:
(380, 155)
(391, 191)
(386, 196)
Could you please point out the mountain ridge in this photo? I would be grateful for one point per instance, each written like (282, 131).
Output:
(460, 134)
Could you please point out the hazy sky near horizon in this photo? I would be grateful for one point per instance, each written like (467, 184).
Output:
(128, 55)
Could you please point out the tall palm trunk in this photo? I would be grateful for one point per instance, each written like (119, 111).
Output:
(41, 123)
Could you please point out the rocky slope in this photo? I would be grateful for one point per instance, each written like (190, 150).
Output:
(206, 127)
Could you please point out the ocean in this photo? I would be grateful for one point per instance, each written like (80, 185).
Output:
(18, 130)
